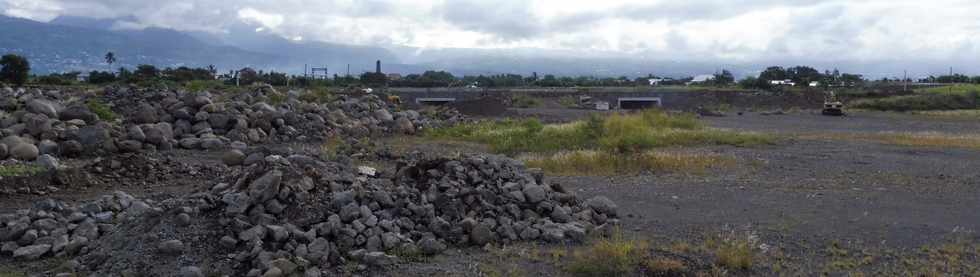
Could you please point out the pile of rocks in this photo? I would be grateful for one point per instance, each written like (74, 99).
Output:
(35, 122)
(293, 215)
(53, 228)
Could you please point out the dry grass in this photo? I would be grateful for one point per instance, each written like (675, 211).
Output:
(613, 256)
(664, 267)
(956, 114)
(579, 163)
(922, 139)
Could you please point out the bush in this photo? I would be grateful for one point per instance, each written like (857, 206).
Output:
(102, 110)
(202, 85)
(317, 94)
(579, 163)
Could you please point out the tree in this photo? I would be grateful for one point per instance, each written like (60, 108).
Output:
(101, 77)
(724, 78)
(110, 58)
(15, 69)
(146, 72)
(773, 73)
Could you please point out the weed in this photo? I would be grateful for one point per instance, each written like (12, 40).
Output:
(613, 256)
(735, 254)
(102, 110)
(19, 170)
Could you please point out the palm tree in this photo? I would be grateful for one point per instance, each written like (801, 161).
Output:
(109, 59)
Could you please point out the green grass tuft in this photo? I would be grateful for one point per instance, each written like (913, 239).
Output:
(102, 110)
(614, 256)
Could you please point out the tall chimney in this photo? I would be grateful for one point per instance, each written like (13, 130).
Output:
(377, 67)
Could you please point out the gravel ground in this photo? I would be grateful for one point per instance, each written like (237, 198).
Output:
(798, 196)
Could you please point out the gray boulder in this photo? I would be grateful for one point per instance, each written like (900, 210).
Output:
(233, 157)
(32, 252)
(44, 107)
(47, 147)
(48, 162)
(24, 152)
(602, 205)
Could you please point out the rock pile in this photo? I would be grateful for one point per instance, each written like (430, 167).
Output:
(34, 122)
(53, 228)
(294, 215)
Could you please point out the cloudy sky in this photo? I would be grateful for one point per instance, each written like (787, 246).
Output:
(749, 30)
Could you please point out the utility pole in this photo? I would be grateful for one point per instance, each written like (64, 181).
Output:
(905, 81)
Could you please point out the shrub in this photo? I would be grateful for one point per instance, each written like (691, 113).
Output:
(202, 85)
(102, 110)
(317, 95)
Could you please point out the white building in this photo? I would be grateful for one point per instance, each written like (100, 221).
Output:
(782, 83)
(701, 79)
(814, 84)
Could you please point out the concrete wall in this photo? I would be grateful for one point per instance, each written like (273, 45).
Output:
(676, 99)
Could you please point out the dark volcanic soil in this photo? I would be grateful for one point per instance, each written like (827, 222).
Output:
(798, 196)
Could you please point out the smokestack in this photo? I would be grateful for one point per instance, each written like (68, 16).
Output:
(377, 67)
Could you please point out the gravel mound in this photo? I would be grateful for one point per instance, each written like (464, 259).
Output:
(301, 215)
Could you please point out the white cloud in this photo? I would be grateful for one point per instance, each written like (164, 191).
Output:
(696, 29)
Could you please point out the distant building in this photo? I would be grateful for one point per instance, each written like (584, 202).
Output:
(394, 76)
(701, 79)
(782, 83)
(657, 81)
(814, 84)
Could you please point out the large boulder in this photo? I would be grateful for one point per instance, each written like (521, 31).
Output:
(80, 112)
(24, 152)
(146, 114)
(44, 107)
(158, 133)
(93, 135)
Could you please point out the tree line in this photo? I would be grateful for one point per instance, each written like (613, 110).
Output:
(15, 70)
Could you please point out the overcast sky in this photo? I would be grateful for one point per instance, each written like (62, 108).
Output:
(747, 30)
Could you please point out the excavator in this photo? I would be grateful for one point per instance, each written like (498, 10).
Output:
(832, 106)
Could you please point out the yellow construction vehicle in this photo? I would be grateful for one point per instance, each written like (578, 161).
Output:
(832, 105)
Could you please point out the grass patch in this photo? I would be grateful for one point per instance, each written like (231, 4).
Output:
(317, 95)
(603, 163)
(20, 170)
(524, 101)
(631, 133)
(965, 114)
(203, 85)
(924, 139)
(101, 109)
(613, 256)
(735, 254)
(921, 102)
(954, 89)
(568, 101)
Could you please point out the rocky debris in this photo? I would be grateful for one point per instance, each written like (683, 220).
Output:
(296, 215)
(54, 228)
